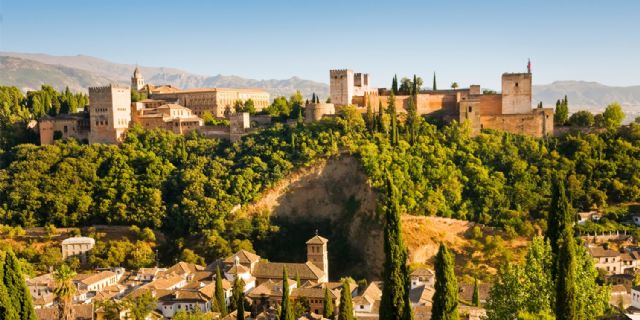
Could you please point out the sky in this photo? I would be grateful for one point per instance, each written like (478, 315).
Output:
(470, 42)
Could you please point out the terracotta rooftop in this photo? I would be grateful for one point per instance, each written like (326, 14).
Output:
(96, 277)
(600, 252)
(245, 257)
(317, 240)
(422, 272)
(273, 270)
(81, 311)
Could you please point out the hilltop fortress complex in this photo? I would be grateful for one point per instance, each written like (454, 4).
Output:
(509, 110)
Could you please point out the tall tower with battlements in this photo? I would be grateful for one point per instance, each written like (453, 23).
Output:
(109, 113)
(318, 254)
(341, 86)
(516, 93)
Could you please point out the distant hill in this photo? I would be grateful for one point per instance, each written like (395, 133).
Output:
(28, 75)
(79, 72)
(592, 96)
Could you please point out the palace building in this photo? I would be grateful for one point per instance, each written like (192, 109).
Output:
(511, 110)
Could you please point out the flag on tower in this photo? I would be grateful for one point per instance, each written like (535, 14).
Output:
(529, 66)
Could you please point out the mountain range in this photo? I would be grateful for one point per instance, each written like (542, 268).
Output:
(31, 70)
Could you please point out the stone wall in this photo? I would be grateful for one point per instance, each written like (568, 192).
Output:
(538, 123)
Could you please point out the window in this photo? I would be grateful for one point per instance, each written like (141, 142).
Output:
(470, 109)
(516, 84)
(66, 129)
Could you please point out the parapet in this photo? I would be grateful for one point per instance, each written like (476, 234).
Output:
(108, 88)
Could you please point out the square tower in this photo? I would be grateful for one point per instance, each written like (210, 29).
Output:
(341, 86)
(318, 254)
(109, 113)
(516, 93)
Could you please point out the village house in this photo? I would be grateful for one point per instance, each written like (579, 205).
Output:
(77, 247)
(606, 259)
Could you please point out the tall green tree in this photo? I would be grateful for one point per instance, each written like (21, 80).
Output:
(236, 292)
(240, 304)
(435, 86)
(475, 299)
(286, 310)
(327, 305)
(17, 303)
(391, 108)
(566, 279)
(560, 212)
(370, 117)
(394, 85)
(64, 291)
(346, 305)
(380, 118)
(562, 112)
(219, 303)
(445, 298)
(395, 304)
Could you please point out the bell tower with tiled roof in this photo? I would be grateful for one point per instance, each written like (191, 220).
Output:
(317, 253)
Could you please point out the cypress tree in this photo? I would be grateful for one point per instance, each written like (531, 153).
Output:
(327, 305)
(236, 292)
(394, 119)
(313, 97)
(346, 305)
(445, 298)
(18, 299)
(240, 304)
(219, 303)
(286, 312)
(435, 87)
(6, 310)
(395, 304)
(476, 293)
(566, 279)
(559, 213)
(370, 117)
(394, 85)
(380, 123)
(414, 89)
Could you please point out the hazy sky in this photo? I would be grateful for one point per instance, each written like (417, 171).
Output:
(463, 41)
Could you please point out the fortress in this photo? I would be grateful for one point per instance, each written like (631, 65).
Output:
(509, 110)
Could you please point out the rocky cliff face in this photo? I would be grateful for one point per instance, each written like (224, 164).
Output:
(335, 198)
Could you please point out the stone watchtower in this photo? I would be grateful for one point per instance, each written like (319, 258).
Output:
(516, 93)
(341, 86)
(318, 254)
(109, 113)
(137, 81)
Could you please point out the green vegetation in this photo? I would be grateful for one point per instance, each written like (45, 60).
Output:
(346, 305)
(562, 112)
(219, 303)
(327, 305)
(286, 309)
(445, 298)
(395, 304)
(15, 298)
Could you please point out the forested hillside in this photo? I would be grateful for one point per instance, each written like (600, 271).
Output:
(188, 186)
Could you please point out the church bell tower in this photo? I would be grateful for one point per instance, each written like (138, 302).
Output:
(318, 254)
(137, 81)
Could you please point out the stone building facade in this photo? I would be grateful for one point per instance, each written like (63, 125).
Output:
(170, 117)
(217, 101)
(509, 111)
(77, 247)
(109, 113)
(65, 126)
